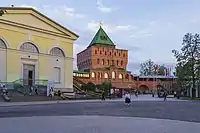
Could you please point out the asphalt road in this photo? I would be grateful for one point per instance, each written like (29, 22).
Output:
(176, 110)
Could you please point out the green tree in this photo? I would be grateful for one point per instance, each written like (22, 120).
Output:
(147, 68)
(161, 70)
(84, 87)
(98, 86)
(106, 86)
(91, 86)
(188, 61)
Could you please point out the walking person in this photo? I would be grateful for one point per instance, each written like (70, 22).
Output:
(103, 96)
(136, 93)
(165, 96)
(127, 98)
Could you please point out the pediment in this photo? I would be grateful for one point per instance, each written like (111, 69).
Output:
(33, 18)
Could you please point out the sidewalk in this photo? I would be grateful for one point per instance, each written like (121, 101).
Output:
(133, 98)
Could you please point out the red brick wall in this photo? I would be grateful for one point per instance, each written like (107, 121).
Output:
(104, 57)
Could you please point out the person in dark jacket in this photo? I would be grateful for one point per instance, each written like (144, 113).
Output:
(103, 96)
(165, 96)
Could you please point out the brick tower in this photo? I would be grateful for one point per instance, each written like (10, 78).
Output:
(105, 62)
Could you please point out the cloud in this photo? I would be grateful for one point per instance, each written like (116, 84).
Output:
(110, 28)
(134, 67)
(102, 8)
(152, 22)
(141, 34)
(24, 5)
(63, 11)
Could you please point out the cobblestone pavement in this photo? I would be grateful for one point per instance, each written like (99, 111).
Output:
(95, 124)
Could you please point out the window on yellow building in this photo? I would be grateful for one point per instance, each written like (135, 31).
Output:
(29, 47)
(57, 75)
(2, 44)
(57, 52)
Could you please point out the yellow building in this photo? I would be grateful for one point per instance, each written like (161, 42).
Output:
(34, 47)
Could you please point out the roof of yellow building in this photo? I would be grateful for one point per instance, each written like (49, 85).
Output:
(42, 15)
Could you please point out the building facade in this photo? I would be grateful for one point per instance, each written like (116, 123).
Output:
(33, 47)
(102, 62)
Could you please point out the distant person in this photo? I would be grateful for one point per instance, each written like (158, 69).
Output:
(165, 96)
(59, 93)
(153, 94)
(175, 94)
(103, 96)
(136, 93)
(127, 98)
(36, 91)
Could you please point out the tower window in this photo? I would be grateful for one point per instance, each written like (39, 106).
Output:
(103, 62)
(112, 62)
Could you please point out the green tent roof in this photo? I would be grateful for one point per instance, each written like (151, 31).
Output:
(101, 38)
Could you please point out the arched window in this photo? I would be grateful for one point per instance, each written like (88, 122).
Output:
(29, 47)
(97, 61)
(108, 62)
(120, 76)
(117, 62)
(113, 75)
(121, 63)
(93, 75)
(106, 75)
(57, 52)
(102, 62)
(127, 76)
(2, 44)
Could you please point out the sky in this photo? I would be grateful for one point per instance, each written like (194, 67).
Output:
(149, 29)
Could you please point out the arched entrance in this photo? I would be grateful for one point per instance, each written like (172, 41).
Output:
(144, 89)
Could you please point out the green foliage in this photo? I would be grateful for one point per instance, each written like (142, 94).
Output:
(89, 86)
(161, 70)
(106, 86)
(147, 68)
(84, 87)
(188, 61)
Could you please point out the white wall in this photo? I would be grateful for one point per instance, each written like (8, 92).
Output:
(58, 62)
(3, 65)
